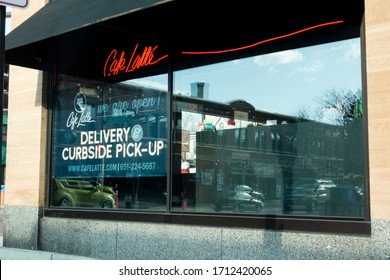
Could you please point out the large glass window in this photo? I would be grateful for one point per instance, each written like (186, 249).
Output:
(280, 133)
(110, 144)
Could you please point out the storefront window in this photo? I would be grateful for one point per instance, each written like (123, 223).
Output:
(279, 134)
(110, 144)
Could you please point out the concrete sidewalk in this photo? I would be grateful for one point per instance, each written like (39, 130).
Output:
(23, 254)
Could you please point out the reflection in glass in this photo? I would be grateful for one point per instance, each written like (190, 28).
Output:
(273, 134)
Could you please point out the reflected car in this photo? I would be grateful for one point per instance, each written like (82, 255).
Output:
(299, 198)
(238, 202)
(339, 194)
(79, 193)
(249, 190)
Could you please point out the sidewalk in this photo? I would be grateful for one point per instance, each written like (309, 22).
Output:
(23, 254)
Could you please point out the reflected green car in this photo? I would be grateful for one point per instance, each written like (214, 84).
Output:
(79, 193)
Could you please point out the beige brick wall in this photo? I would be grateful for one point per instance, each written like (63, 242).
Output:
(26, 139)
(377, 20)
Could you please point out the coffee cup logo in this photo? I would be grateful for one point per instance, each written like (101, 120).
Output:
(80, 102)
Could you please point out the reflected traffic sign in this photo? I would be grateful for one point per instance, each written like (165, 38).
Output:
(15, 3)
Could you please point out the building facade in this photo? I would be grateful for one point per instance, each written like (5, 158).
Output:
(256, 133)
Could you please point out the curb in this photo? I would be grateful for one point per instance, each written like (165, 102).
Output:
(24, 254)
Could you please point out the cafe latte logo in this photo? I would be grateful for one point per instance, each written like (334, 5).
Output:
(81, 116)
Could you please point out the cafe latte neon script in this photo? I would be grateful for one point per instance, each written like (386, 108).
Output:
(122, 62)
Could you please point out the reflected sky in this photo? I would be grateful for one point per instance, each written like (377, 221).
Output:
(293, 78)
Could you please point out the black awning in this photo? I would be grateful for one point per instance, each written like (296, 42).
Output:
(78, 30)
(61, 16)
(27, 44)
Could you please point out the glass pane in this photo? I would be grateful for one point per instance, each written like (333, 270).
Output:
(273, 134)
(109, 143)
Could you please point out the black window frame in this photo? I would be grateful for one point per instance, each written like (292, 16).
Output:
(353, 226)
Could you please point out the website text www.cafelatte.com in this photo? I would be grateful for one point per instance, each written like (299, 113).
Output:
(213, 271)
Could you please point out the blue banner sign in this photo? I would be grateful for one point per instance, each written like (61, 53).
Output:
(123, 136)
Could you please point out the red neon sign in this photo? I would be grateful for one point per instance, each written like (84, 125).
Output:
(265, 41)
(123, 63)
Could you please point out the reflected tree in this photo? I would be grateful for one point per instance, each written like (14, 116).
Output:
(335, 106)
(341, 105)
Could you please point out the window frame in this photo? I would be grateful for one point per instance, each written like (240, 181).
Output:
(338, 225)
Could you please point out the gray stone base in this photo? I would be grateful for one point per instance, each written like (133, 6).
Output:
(116, 240)
(21, 226)
(129, 240)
